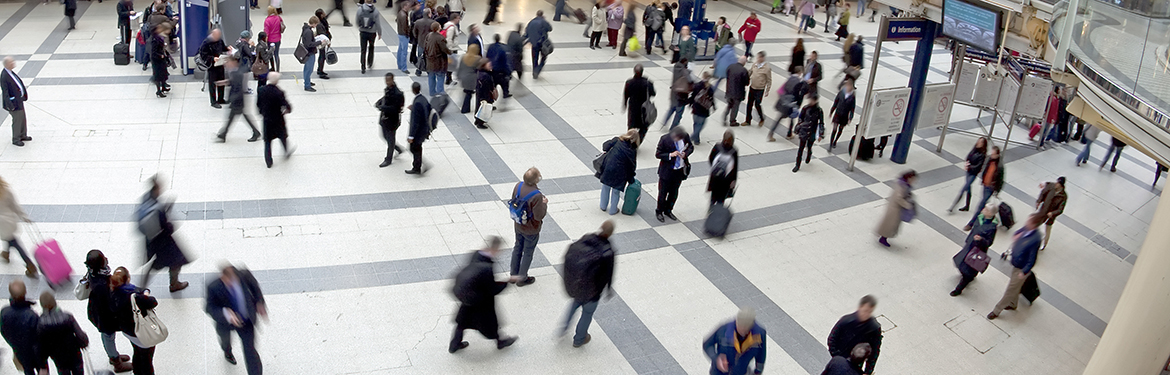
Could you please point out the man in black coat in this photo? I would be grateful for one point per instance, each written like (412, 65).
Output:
(210, 52)
(125, 11)
(339, 6)
(814, 73)
(588, 272)
(485, 90)
(638, 90)
(236, 89)
(390, 106)
(856, 328)
(60, 337)
(70, 10)
(235, 301)
(18, 325)
(15, 93)
(476, 288)
(272, 104)
(852, 364)
(737, 81)
(842, 112)
(420, 127)
(810, 127)
(673, 150)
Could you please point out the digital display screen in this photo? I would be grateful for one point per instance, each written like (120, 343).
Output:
(972, 24)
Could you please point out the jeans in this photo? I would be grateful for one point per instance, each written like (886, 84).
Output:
(748, 49)
(1083, 157)
(403, 43)
(587, 309)
(988, 192)
(699, 122)
(675, 111)
(308, 71)
(610, 198)
(276, 56)
(522, 253)
(559, 9)
(537, 60)
(19, 250)
(651, 34)
(755, 97)
(268, 150)
(247, 334)
(966, 190)
(1116, 156)
(803, 22)
(860, 7)
(435, 82)
(366, 58)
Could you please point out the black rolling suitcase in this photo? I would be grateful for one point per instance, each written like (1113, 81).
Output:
(121, 54)
(866, 151)
(717, 220)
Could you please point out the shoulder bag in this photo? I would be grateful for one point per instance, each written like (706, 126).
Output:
(301, 52)
(977, 259)
(649, 111)
(81, 290)
(147, 327)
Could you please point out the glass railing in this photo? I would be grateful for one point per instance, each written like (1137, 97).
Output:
(1122, 46)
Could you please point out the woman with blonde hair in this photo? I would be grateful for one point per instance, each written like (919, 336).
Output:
(10, 217)
(467, 74)
(273, 26)
(618, 168)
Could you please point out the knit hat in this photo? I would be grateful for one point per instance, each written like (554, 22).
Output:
(246, 34)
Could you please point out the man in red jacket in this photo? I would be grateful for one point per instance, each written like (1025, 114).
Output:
(747, 32)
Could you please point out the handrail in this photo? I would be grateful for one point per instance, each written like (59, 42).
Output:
(1139, 106)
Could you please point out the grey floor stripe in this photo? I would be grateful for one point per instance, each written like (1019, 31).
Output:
(58, 34)
(805, 349)
(16, 17)
(787, 212)
(1047, 293)
(841, 163)
(633, 339)
(565, 133)
(489, 163)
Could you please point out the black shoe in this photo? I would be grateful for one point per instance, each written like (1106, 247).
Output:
(219, 139)
(18, 143)
(255, 137)
(413, 171)
(588, 337)
(347, 24)
(160, 94)
(310, 89)
(230, 358)
(505, 342)
(323, 76)
(453, 349)
(26, 139)
(796, 168)
(528, 280)
(312, 84)
(992, 316)
(385, 163)
(363, 70)
(216, 105)
(965, 209)
(955, 293)
(670, 215)
(658, 215)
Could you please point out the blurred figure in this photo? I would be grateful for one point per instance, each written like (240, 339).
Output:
(901, 207)
(60, 338)
(273, 105)
(734, 345)
(1114, 145)
(980, 239)
(724, 160)
(235, 301)
(991, 177)
(1050, 203)
(158, 231)
(857, 328)
(537, 34)
(637, 91)
(851, 365)
(588, 272)
(973, 165)
(476, 288)
(11, 215)
(18, 325)
(236, 89)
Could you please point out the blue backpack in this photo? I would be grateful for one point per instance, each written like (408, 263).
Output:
(519, 208)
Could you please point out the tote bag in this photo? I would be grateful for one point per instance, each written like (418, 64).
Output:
(148, 328)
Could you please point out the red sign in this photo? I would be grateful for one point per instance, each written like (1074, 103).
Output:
(899, 106)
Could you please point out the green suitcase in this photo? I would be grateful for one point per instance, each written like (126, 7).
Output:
(633, 194)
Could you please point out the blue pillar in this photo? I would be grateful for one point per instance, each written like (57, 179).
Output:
(917, 83)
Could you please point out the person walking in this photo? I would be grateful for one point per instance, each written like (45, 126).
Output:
(807, 9)
(857, 328)
(309, 42)
(797, 56)
(791, 95)
(11, 215)
(724, 58)
(530, 206)
(734, 346)
(560, 8)
(156, 227)
(390, 116)
(402, 26)
(420, 128)
(810, 129)
(339, 6)
(857, 55)
(842, 114)
(973, 165)
(588, 267)
(843, 24)
(126, 300)
(748, 32)
(830, 12)
(983, 230)
(449, 32)
(673, 151)
(991, 177)
(759, 86)
(125, 9)
(637, 91)
(476, 289)
(15, 94)
(813, 73)
(654, 19)
(497, 54)
(613, 17)
(1087, 138)
(273, 28)
(369, 28)
(901, 206)
(618, 168)
(724, 160)
(468, 75)
(236, 90)
(436, 51)
(537, 34)
(273, 105)
(1050, 203)
(1115, 145)
(235, 302)
(737, 80)
(160, 59)
(629, 22)
(680, 93)
(18, 325)
(99, 308)
(70, 11)
(598, 18)
(485, 90)
(849, 366)
(515, 44)
(210, 52)
(322, 28)
(1025, 248)
(493, 11)
(702, 103)
(60, 338)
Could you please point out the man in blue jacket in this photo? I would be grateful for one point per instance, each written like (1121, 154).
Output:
(734, 345)
(1024, 249)
(497, 53)
(537, 34)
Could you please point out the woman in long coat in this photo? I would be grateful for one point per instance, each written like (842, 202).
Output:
(273, 105)
(901, 199)
(160, 59)
(981, 237)
(161, 246)
(618, 169)
(468, 75)
(10, 217)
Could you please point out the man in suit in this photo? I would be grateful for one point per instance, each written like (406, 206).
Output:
(234, 301)
(1025, 247)
(476, 288)
(15, 94)
(737, 81)
(273, 105)
(390, 106)
(125, 10)
(420, 127)
(673, 150)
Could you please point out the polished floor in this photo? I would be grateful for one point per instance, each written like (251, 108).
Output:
(356, 260)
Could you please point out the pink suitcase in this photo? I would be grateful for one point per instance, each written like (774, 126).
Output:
(1034, 130)
(52, 262)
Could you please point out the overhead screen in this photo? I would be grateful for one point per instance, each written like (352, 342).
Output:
(972, 24)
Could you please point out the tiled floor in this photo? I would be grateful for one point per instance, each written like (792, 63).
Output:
(356, 259)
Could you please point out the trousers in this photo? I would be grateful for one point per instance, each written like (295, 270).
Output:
(1012, 294)
(668, 193)
(522, 253)
(247, 333)
(390, 134)
(587, 309)
(610, 198)
(403, 43)
(755, 97)
(805, 149)
(966, 190)
(268, 150)
(416, 152)
(732, 109)
(231, 117)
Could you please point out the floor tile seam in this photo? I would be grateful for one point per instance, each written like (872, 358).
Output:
(16, 17)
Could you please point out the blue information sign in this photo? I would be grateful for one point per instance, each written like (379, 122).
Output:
(900, 29)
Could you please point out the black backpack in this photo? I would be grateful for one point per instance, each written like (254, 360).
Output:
(582, 261)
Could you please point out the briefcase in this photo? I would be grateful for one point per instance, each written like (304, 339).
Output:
(1031, 289)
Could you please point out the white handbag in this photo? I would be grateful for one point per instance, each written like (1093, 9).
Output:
(81, 290)
(149, 329)
(485, 111)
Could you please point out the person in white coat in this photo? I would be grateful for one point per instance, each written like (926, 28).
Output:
(10, 217)
(597, 16)
(450, 30)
